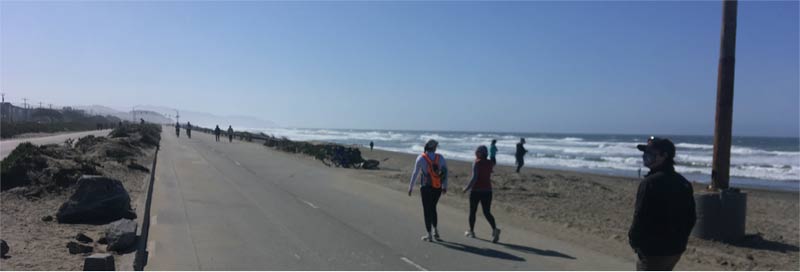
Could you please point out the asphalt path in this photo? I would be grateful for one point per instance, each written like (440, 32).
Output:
(241, 206)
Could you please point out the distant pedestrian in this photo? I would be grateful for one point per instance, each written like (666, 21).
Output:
(141, 121)
(520, 154)
(493, 152)
(177, 129)
(433, 183)
(480, 187)
(217, 131)
(230, 133)
(189, 129)
(665, 210)
(371, 145)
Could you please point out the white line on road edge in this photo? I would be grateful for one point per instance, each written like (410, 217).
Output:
(309, 204)
(414, 264)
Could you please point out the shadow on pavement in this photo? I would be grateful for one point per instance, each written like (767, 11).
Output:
(488, 252)
(527, 249)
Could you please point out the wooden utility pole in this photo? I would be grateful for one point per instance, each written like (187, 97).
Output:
(720, 172)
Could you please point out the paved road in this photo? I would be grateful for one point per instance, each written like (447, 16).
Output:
(6, 146)
(240, 206)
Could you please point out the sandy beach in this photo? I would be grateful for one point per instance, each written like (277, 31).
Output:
(596, 211)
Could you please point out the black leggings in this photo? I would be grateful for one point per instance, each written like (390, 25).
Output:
(485, 198)
(430, 197)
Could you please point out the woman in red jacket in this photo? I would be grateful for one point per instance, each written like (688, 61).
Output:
(480, 187)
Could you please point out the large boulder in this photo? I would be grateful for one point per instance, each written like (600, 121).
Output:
(97, 200)
(121, 235)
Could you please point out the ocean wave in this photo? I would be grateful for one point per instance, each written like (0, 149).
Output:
(737, 150)
(616, 153)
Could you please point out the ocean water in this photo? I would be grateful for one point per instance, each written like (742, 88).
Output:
(756, 162)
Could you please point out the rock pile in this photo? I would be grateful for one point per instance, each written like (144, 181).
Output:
(328, 153)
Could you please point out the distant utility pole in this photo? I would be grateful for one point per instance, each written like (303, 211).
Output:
(177, 116)
(4, 97)
(40, 104)
(720, 172)
(25, 103)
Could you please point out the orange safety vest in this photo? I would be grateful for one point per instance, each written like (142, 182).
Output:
(435, 174)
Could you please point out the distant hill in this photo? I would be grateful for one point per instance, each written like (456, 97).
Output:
(209, 120)
(147, 115)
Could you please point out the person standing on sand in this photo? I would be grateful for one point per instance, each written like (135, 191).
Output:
(189, 129)
(493, 152)
(177, 129)
(371, 145)
(230, 133)
(480, 187)
(217, 131)
(665, 210)
(433, 183)
(520, 155)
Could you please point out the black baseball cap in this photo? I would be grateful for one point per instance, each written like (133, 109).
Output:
(662, 144)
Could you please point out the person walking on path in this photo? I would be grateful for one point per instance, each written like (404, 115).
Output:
(520, 155)
(493, 152)
(217, 131)
(230, 133)
(189, 129)
(480, 187)
(664, 214)
(177, 129)
(433, 183)
(371, 145)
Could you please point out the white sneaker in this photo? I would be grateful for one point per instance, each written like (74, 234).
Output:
(495, 235)
(470, 234)
(427, 238)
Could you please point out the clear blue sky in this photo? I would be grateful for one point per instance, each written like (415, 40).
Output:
(594, 67)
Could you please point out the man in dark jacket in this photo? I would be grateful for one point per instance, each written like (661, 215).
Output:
(520, 154)
(665, 211)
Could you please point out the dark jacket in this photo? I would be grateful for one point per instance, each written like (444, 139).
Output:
(664, 215)
(520, 151)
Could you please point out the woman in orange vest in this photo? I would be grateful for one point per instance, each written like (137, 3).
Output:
(433, 184)
(480, 187)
